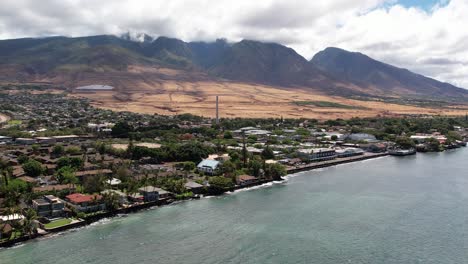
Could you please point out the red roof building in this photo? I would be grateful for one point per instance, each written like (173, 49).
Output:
(78, 198)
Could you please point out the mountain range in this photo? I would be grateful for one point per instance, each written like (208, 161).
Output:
(105, 58)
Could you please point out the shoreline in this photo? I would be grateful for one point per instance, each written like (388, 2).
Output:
(149, 205)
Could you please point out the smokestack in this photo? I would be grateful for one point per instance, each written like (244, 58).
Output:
(217, 111)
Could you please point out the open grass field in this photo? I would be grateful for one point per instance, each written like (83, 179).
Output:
(58, 223)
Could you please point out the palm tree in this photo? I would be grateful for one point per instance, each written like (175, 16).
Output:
(111, 200)
(29, 225)
(4, 169)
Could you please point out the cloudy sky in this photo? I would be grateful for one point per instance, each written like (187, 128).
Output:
(427, 36)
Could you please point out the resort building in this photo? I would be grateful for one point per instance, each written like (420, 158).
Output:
(349, 152)
(317, 154)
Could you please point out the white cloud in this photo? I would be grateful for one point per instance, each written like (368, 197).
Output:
(433, 43)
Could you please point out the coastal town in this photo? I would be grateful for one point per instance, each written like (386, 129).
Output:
(65, 163)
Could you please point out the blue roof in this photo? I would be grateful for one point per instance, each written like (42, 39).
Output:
(208, 163)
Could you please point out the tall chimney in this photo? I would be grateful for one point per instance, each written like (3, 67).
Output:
(217, 111)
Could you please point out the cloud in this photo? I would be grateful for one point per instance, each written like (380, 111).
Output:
(426, 40)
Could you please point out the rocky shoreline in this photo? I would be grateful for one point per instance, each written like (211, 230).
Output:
(139, 207)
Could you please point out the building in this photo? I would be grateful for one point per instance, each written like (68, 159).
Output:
(362, 137)
(67, 138)
(349, 152)
(422, 138)
(45, 140)
(86, 203)
(25, 141)
(245, 180)
(92, 173)
(151, 193)
(317, 154)
(194, 187)
(5, 139)
(49, 206)
(208, 166)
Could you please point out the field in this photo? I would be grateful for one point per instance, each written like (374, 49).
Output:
(170, 92)
(247, 100)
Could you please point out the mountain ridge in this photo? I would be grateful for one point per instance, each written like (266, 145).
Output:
(332, 71)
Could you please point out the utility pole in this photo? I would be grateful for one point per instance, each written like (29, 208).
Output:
(217, 110)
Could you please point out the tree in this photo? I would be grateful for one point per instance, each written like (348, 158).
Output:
(219, 184)
(267, 153)
(254, 167)
(4, 170)
(73, 150)
(228, 168)
(275, 171)
(22, 159)
(228, 135)
(29, 225)
(94, 184)
(33, 168)
(73, 162)
(35, 148)
(58, 150)
(66, 175)
(121, 129)
(111, 200)
(405, 142)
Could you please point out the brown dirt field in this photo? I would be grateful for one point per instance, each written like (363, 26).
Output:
(243, 100)
(168, 91)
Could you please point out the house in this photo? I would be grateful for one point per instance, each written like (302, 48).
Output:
(151, 193)
(90, 173)
(86, 203)
(317, 154)
(52, 188)
(246, 180)
(49, 206)
(208, 166)
(194, 187)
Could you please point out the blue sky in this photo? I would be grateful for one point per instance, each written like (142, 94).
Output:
(423, 4)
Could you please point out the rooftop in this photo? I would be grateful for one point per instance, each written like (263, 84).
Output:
(82, 198)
